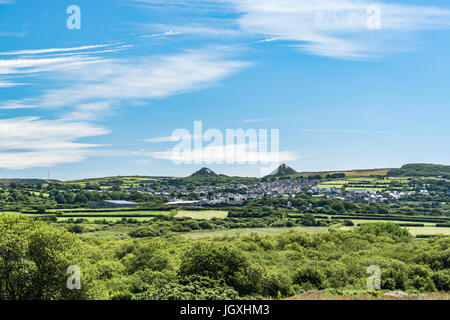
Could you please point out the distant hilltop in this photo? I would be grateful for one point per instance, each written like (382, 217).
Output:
(204, 172)
(282, 170)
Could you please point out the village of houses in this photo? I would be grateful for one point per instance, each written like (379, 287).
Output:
(235, 194)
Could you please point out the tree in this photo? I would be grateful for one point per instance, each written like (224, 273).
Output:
(34, 258)
(41, 209)
(60, 198)
(310, 277)
(217, 262)
(385, 229)
(81, 198)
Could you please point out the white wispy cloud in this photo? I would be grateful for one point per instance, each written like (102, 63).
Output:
(34, 62)
(52, 50)
(256, 120)
(6, 84)
(94, 80)
(337, 28)
(34, 142)
(333, 28)
(167, 139)
(347, 131)
(163, 34)
(89, 86)
(30, 66)
(192, 29)
(232, 154)
(89, 111)
(12, 105)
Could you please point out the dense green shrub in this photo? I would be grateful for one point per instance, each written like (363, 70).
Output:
(218, 262)
(34, 259)
(190, 288)
(385, 229)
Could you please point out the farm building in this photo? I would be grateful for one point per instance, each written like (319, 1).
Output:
(195, 203)
(113, 204)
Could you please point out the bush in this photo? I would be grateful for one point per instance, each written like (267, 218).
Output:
(217, 262)
(385, 229)
(310, 277)
(75, 228)
(441, 280)
(348, 223)
(191, 288)
(34, 258)
(144, 232)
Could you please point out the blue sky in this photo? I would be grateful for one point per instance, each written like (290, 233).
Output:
(343, 93)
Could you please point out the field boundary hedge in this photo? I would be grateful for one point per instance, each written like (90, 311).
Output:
(433, 220)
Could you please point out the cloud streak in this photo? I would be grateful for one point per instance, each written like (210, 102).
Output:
(52, 50)
(33, 142)
(333, 28)
(338, 28)
(93, 81)
(346, 131)
(232, 154)
(82, 87)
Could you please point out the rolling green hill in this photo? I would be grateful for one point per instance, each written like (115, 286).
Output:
(7, 182)
(421, 170)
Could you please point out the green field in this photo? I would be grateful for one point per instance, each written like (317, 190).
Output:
(246, 231)
(427, 229)
(207, 214)
(108, 219)
(359, 221)
(367, 183)
(118, 213)
(117, 232)
(348, 173)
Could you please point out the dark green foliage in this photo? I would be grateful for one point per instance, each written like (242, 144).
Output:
(34, 258)
(310, 277)
(442, 280)
(422, 169)
(348, 223)
(385, 229)
(335, 176)
(146, 232)
(191, 288)
(217, 262)
(76, 228)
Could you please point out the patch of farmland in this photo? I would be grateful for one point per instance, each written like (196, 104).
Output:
(108, 219)
(348, 173)
(126, 214)
(428, 231)
(338, 186)
(201, 234)
(336, 182)
(207, 214)
(426, 224)
(369, 188)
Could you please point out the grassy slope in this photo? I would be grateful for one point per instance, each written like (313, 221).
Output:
(246, 231)
(204, 214)
(348, 173)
